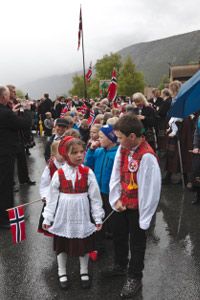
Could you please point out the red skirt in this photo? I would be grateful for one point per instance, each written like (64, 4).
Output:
(74, 247)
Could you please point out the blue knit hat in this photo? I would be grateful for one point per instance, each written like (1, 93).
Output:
(109, 132)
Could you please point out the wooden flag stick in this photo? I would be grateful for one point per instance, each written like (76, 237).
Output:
(110, 214)
(25, 204)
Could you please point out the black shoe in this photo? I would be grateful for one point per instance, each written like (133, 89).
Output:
(196, 201)
(115, 271)
(15, 189)
(64, 285)
(130, 288)
(85, 284)
(29, 182)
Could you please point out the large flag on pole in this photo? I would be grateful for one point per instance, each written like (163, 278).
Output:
(112, 89)
(89, 73)
(17, 224)
(80, 29)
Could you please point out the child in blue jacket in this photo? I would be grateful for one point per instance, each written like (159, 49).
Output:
(101, 161)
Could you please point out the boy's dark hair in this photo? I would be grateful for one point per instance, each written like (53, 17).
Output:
(129, 124)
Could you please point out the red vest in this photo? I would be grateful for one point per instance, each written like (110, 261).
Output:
(129, 197)
(81, 185)
(52, 167)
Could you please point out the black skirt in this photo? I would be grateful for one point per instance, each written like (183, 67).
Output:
(74, 247)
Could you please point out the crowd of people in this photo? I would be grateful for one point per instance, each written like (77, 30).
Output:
(102, 159)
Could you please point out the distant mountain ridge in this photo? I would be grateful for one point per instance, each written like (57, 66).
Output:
(151, 58)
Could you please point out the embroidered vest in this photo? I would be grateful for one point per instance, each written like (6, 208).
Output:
(80, 186)
(129, 187)
(52, 167)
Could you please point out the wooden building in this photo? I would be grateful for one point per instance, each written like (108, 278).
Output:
(183, 72)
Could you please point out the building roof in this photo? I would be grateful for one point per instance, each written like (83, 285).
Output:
(183, 71)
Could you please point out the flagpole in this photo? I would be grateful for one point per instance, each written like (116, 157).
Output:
(25, 204)
(83, 54)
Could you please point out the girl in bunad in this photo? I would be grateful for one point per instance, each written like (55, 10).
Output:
(73, 196)
(56, 162)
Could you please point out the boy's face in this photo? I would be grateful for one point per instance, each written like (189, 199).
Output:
(126, 141)
(60, 130)
(104, 141)
(76, 155)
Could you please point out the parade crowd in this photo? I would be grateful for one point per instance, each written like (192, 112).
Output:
(103, 159)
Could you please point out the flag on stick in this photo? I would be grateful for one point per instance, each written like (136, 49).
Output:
(80, 29)
(89, 73)
(91, 118)
(17, 224)
(112, 89)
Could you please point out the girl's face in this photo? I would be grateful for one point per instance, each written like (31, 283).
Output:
(94, 133)
(76, 154)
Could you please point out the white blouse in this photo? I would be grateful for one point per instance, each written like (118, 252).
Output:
(69, 214)
(149, 187)
(46, 179)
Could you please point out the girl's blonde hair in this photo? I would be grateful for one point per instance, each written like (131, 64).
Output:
(97, 126)
(75, 141)
(141, 98)
(54, 148)
(112, 121)
(72, 132)
(174, 87)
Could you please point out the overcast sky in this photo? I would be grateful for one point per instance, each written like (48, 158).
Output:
(39, 37)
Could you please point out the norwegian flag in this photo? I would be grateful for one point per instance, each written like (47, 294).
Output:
(112, 89)
(65, 110)
(89, 73)
(80, 30)
(17, 224)
(83, 109)
(91, 118)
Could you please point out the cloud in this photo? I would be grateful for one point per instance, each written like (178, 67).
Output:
(39, 38)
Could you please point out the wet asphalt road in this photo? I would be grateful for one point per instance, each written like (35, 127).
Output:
(172, 264)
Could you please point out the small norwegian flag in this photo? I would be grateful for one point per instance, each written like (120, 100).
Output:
(80, 29)
(65, 110)
(112, 89)
(91, 118)
(83, 109)
(89, 73)
(17, 224)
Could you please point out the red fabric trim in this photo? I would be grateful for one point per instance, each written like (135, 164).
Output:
(129, 198)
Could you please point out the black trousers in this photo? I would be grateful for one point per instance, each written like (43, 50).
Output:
(107, 227)
(6, 185)
(196, 173)
(127, 235)
(22, 168)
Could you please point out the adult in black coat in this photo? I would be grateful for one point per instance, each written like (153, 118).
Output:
(46, 106)
(10, 123)
(148, 116)
(22, 167)
(156, 101)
